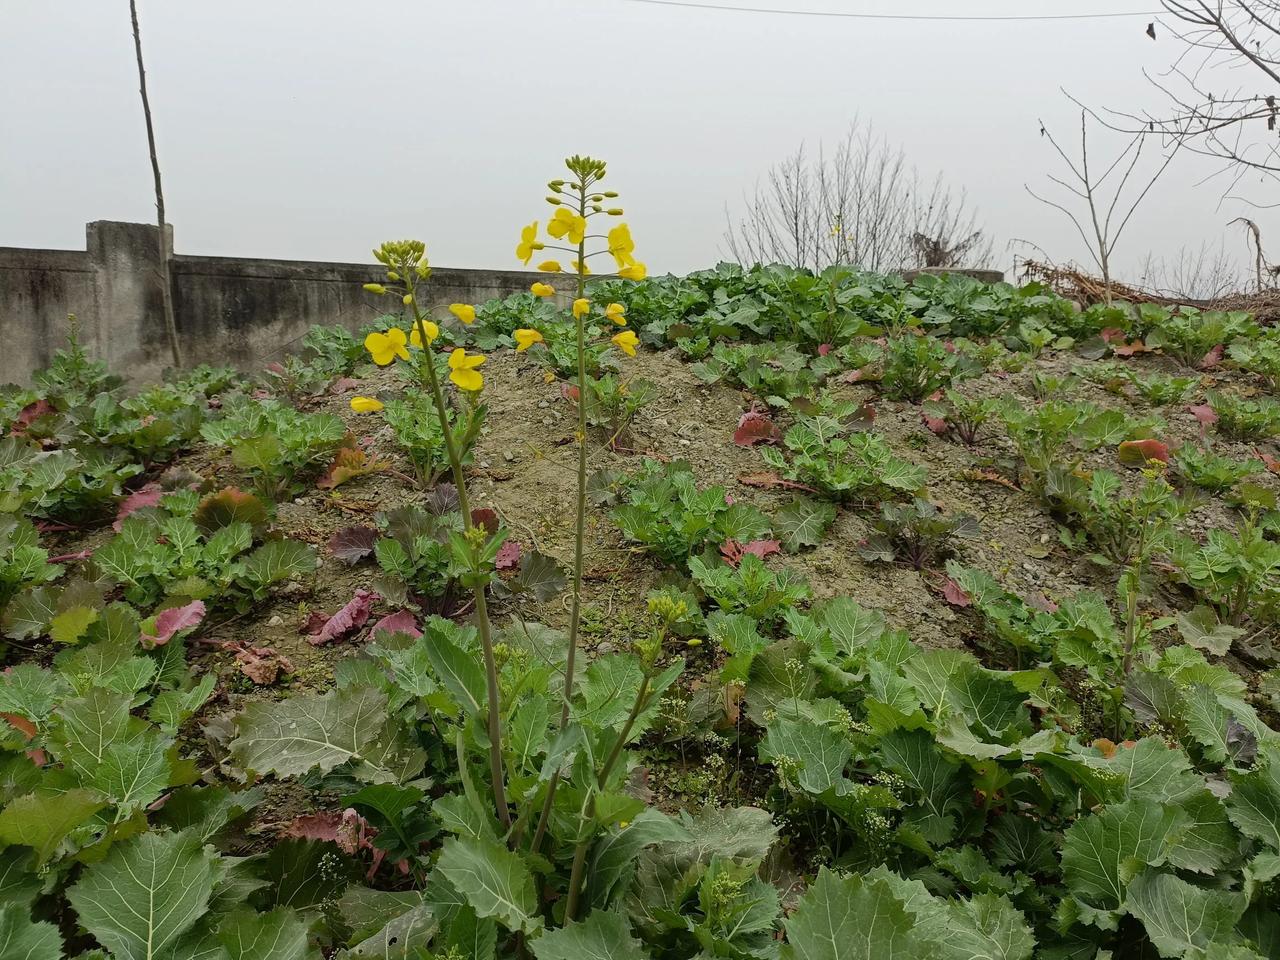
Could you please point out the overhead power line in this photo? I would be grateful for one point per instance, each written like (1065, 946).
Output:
(919, 17)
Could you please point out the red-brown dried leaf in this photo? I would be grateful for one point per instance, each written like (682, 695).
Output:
(262, 665)
(148, 496)
(1204, 414)
(936, 425)
(1136, 453)
(486, 518)
(733, 551)
(402, 621)
(954, 595)
(353, 544)
(29, 415)
(350, 618)
(1211, 359)
(508, 555)
(169, 623)
(755, 427)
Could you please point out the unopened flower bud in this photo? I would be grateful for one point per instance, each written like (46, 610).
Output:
(377, 288)
(554, 201)
(392, 276)
(614, 211)
(408, 299)
(610, 193)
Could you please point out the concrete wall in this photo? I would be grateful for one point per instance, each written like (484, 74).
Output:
(228, 310)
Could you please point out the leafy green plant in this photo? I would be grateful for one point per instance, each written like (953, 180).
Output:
(1260, 356)
(416, 427)
(750, 588)
(822, 453)
(1199, 465)
(1190, 334)
(1236, 572)
(776, 372)
(276, 445)
(666, 512)
(1242, 418)
(415, 556)
(918, 366)
(1160, 390)
(612, 404)
(965, 417)
(75, 485)
(916, 533)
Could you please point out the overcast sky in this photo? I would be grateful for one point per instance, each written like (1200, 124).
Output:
(314, 129)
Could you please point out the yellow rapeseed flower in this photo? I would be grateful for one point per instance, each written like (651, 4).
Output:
(626, 342)
(621, 245)
(462, 370)
(581, 307)
(635, 270)
(528, 242)
(431, 330)
(543, 290)
(568, 225)
(549, 266)
(579, 268)
(385, 347)
(526, 337)
(616, 312)
(464, 312)
(365, 405)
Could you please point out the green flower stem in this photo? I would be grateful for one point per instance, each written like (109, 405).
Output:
(482, 609)
(580, 527)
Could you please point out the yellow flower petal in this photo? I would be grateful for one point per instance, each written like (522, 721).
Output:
(568, 225)
(581, 307)
(431, 329)
(633, 271)
(466, 379)
(526, 338)
(365, 404)
(385, 347)
(616, 312)
(542, 290)
(464, 312)
(549, 266)
(626, 342)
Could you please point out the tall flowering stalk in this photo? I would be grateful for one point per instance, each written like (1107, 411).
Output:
(407, 268)
(577, 202)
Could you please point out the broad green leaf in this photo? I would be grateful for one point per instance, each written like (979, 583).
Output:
(1103, 852)
(849, 918)
(19, 883)
(812, 756)
(24, 939)
(134, 774)
(602, 936)
(1254, 804)
(458, 669)
(43, 819)
(146, 894)
(613, 854)
(72, 624)
(915, 757)
(88, 727)
(301, 733)
(1208, 841)
(1179, 916)
(802, 523)
(496, 882)
(277, 935)
(279, 560)
(30, 691)
(1201, 628)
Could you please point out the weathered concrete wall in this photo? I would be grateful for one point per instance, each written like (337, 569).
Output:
(228, 310)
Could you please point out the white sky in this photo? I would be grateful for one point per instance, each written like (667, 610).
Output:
(314, 129)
